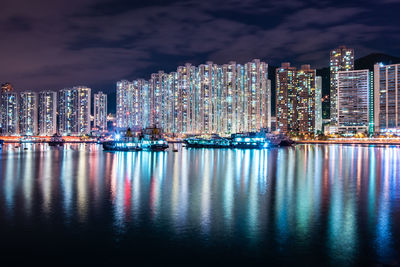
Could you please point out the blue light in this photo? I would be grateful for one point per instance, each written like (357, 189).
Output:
(117, 137)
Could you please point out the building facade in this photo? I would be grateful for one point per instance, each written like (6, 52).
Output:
(100, 111)
(341, 59)
(295, 99)
(354, 105)
(47, 113)
(387, 98)
(318, 104)
(10, 113)
(285, 96)
(5, 87)
(28, 113)
(206, 99)
(74, 111)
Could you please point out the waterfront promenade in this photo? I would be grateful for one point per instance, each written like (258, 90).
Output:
(354, 141)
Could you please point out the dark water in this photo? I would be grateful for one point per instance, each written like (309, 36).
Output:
(311, 204)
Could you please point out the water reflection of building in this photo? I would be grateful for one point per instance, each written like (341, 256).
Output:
(340, 198)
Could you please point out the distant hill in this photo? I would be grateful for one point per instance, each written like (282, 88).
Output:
(369, 61)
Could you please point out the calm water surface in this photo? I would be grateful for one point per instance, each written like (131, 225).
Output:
(310, 204)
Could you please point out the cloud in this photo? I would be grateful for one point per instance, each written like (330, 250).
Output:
(55, 44)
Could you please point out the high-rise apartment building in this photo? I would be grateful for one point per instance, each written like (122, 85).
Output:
(10, 113)
(47, 113)
(100, 111)
(206, 99)
(387, 97)
(341, 59)
(74, 111)
(318, 104)
(84, 105)
(285, 97)
(305, 103)
(354, 102)
(28, 113)
(67, 113)
(5, 87)
(132, 99)
(295, 99)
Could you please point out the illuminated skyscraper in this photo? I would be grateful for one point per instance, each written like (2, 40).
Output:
(156, 85)
(10, 113)
(387, 97)
(100, 111)
(133, 104)
(341, 59)
(354, 101)
(318, 104)
(295, 103)
(67, 113)
(201, 100)
(185, 108)
(256, 97)
(74, 111)
(47, 113)
(5, 87)
(28, 113)
(124, 107)
(305, 103)
(285, 98)
(84, 105)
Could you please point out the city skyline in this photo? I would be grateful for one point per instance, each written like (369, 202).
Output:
(211, 98)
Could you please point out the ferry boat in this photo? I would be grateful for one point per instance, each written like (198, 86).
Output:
(249, 141)
(126, 143)
(122, 145)
(213, 141)
(56, 140)
(27, 139)
(151, 139)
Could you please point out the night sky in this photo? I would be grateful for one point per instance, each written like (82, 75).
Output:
(54, 44)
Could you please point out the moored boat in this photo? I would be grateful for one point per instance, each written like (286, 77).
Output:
(279, 140)
(56, 140)
(121, 145)
(127, 143)
(207, 142)
(151, 139)
(249, 141)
